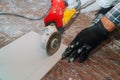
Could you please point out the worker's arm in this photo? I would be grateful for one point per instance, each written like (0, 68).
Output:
(88, 39)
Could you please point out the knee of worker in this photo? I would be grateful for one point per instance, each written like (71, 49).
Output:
(114, 15)
(105, 3)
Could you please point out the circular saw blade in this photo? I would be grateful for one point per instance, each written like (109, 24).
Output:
(53, 43)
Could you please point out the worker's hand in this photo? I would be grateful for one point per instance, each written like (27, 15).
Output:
(85, 42)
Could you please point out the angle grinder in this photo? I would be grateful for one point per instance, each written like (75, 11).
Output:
(59, 16)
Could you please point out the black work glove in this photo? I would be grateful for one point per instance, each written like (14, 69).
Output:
(85, 42)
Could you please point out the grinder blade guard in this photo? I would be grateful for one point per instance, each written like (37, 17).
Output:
(51, 39)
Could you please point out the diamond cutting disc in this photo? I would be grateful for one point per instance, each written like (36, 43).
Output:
(53, 43)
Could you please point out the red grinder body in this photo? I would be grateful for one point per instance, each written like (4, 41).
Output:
(55, 15)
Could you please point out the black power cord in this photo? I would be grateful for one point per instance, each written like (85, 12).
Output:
(22, 16)
(17, 15)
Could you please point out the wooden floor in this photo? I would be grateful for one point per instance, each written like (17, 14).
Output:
(103, 63)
